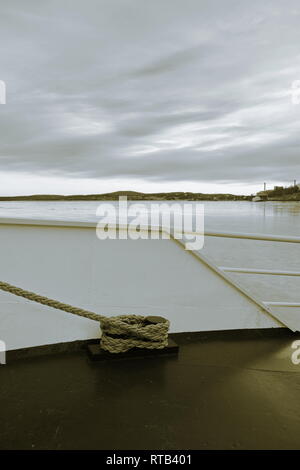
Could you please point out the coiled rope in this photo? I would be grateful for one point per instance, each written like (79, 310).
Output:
(119, 334)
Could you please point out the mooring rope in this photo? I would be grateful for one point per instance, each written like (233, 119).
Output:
(119, 334)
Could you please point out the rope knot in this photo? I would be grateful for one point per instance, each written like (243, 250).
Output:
(124, 332)
(119, 334)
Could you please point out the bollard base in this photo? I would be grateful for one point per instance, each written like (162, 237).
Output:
(97, 354)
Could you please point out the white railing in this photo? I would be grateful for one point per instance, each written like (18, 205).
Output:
(282, 304)
(207, 233)
(259, 271)
(254, 236)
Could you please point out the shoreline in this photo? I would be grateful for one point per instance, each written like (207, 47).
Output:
(79, 199)
(138, 196)
(131, 195)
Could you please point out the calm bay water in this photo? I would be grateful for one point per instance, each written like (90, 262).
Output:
(282, 218)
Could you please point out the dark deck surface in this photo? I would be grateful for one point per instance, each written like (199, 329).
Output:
(223, 391)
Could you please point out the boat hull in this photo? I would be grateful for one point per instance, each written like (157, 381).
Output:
(67, 262)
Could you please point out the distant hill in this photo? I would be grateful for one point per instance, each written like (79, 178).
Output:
(131, 195)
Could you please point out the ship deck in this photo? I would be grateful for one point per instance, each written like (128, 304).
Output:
(224, 390)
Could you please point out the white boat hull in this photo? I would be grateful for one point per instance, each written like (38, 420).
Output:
(67, 262)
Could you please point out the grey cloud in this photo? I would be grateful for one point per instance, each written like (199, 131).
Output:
(164, 91)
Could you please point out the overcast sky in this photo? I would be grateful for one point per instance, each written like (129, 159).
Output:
(160, 95)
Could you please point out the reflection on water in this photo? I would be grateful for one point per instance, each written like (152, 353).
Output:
(290, 207)
(260, 217)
